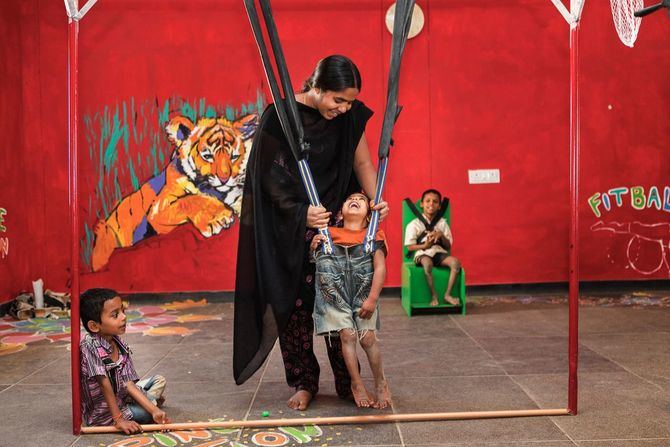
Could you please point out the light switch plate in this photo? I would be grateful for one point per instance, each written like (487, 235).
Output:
(479, 176)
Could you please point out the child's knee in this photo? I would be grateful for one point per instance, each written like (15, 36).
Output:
(367, 339)
(159, 382)
(348, 335)
(453, 263)
(427, 265)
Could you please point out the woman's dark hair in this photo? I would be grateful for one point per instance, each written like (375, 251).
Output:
(334, 73)
(432, 191)
(91, 304)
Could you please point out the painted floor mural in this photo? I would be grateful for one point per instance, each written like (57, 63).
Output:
(173, 318)
(281, 436)
(150, 320)
(623, 347)
(154, 320)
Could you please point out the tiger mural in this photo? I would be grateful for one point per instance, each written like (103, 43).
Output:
(202, 184)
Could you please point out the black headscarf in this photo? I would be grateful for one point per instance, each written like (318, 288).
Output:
(272, 248)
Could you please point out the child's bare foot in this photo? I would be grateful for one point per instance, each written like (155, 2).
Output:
(160, 401)
(300, 400)
(383, 395)
(434, 301)
(451, 300)
(362, 396)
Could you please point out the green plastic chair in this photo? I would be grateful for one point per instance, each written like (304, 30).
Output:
(414, 292)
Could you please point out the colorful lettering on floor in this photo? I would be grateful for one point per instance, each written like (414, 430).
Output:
(227, 437)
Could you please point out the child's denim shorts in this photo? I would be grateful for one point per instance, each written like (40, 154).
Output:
(343, 281)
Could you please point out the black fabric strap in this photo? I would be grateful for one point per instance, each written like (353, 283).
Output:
(284, 77)
(289, 119)
(416, 212)
(429, 225)
(440, 213)
(286, 107)
(402, 21)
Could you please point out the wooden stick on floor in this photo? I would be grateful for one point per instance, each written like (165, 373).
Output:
(339, 420)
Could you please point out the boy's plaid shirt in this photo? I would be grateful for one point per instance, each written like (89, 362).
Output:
(94, 349)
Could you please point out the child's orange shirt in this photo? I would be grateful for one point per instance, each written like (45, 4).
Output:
(346, 237)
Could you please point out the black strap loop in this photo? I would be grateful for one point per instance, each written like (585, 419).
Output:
(429, 225)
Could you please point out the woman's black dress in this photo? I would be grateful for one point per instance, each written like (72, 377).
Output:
(274, 290)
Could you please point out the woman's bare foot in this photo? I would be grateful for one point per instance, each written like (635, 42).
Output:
(434, 301)
(300, 400)
(362, 396)
(383, 395)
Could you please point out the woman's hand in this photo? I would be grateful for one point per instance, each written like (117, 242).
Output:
(382, 207)
(317, 217)
(316, 241)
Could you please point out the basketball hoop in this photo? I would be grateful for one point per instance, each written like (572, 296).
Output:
(626, 24)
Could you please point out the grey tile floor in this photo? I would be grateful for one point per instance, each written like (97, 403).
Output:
(504, 354)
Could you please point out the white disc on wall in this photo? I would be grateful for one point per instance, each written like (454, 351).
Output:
(417, 20)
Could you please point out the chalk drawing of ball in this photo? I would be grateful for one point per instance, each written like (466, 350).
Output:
(645, 256)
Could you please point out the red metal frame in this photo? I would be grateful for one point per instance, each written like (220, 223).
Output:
(73, 153)
(573, 300)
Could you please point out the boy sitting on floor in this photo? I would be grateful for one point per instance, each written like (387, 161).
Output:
(431, 245)
(348, 284)
(109, 392)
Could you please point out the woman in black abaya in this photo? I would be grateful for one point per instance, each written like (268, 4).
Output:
(274, 290)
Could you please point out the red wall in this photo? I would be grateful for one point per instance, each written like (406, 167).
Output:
(13, 269)
(485, 85)
(33, 119)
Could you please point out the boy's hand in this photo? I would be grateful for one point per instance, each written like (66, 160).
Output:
(160, 417)
(434, 237)
(316, 241)
(367, 308)
(128, 427)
